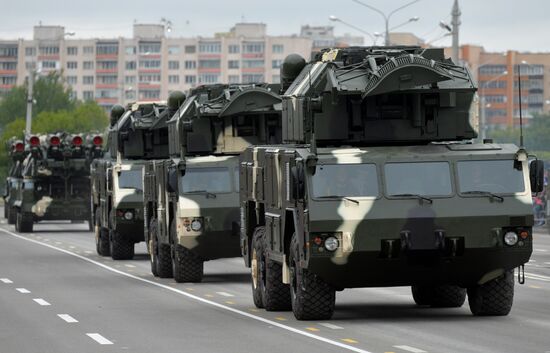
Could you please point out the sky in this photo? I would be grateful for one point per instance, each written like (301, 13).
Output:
(497, 25)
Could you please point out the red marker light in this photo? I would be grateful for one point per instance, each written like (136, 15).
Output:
(55, 141)
(77, 140)
(34, 141)
(98, 140)
(19, 147)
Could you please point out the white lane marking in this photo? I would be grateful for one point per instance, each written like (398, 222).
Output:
(68, 318)
(547, 263)
(410, 349)
(23, 290)
(58, 243)
(72, 247)
(88, 252)
(541, 250)
(537, 277)
(331, 326)
(6, 280)
(98, 338)
(225, 294)
(130, 266)
(41, 301)
(191, 296)
(531, 260)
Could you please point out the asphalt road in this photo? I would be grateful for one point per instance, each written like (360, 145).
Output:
(57, 295)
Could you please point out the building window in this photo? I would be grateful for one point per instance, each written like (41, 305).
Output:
(30, 51)
(130, 95)
(49, 65)
(173, 49)
(107, 80)
(88, 80)
(253, 47)
(88, 65)
(130, 80)
(149, 48)
(108, 93)
(72, 80)
(88, 95)
(233, 64)
(72, 65)
(492, 84)
(495, 112)
(173, 65)
(130, 50)
(210, 47)
(253, 64)
(8, 80)
(209, 64)
(530, 70)
(278, 48)
(190, 64)
(72, 95)
(234, 78)
(253, 78)
(149, 64)
(276, 79)
(495, 99)
(88, 49)
(492, 69)
(48, 50)
(72, 50)
(107, 49)
(150, 94)
(209, 78)
(29, 65)
(149, 78)
(190, 49)
(10, 66)
(107, 65)
(173, 79)
(190, 79)
(233, 48)
(276, 64)
(130, 65)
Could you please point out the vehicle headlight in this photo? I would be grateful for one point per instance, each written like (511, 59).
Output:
(196, 225)
(510, 238)
(331, 243)
(128, 215)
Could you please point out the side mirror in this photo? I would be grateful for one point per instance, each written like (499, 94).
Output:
(172, 180)
(298, 181)
(536, 175)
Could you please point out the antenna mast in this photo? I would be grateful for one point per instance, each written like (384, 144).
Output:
(520, 112)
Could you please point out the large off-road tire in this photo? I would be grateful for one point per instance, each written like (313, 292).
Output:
(188, 267)
(312, 298)
(121, 247)
(161, 254)
(494, 298)
(5, 210)
(441, 296)
(101, 236)
(12, 215)
(24, 222)
(257, 264)
(152, 246)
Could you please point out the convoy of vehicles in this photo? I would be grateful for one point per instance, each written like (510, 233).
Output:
(359, 170)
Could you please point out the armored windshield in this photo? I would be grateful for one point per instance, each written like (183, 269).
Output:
(422, 178)
(339, 180)
(499, 177)
(212, 180)
(130, 179)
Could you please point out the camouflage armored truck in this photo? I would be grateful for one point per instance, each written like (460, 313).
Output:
(117, 179)
(55, 181)
(192, 198)
(378, 184)
(17, 153)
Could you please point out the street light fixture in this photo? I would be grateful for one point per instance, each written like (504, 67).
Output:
(386, 16)
(336, 19)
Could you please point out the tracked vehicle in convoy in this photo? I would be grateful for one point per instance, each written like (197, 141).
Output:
(378, 184)
(55, 179)
(17, 153)
(117, 179)
(192, 198)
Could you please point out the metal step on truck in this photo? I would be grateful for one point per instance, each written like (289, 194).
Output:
(378, 183)
(191, 199)
(55, 179)
(117, 179)
(17, 153)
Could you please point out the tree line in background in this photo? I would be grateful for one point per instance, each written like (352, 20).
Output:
(54, 110)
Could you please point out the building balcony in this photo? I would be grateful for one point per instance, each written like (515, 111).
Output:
(106, 56)
(253, 70)
(149, 71)
(106, 86)
(207, 70)
(8, 72)
(7, 86)
(210, 56)
(150, 56)
(149, 86)
(106, 71)
(54, 57)
(104, 100)
(253, 55)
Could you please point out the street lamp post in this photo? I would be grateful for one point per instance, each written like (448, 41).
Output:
(386, 16)
(336, 19)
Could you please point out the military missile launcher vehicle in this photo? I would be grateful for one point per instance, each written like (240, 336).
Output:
(378, 184)
(117, 179)
(55, 179)
(192, 198)
(17, 153)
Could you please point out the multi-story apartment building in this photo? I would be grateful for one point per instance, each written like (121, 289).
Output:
(149, 65)
(497, 76)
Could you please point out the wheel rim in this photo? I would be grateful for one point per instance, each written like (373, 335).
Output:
(254, 269)
(293, 280)
(152, 250)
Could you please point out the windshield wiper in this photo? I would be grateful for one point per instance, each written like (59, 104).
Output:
(209, 195)
(419, 197)
(484, 193)
(339, 197)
